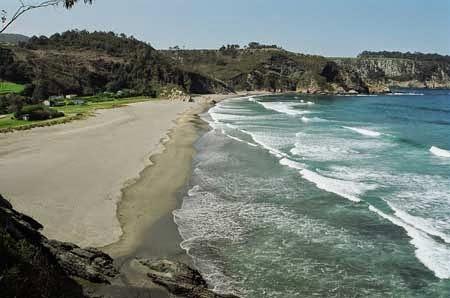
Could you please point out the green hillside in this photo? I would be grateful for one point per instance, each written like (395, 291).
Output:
(8, 87)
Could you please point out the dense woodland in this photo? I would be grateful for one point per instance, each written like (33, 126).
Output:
(113, 44)
(86, 63)
(407, 55)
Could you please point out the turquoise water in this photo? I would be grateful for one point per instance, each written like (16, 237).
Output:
(303, 196)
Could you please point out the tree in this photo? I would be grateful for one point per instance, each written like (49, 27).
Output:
(25, 6)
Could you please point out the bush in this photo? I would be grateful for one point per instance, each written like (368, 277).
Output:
(38, 112)
(11, 103)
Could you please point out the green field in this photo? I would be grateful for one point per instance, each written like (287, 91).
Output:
(7, 87)
(8, 122)
(92, 106)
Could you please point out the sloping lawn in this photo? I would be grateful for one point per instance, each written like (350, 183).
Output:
(71, 112)
(9, 121)
(7, 87)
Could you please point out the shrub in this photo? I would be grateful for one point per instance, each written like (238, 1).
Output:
(11, 103)
(38, 112)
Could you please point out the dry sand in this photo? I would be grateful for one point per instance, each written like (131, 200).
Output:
(89, 182)
(69, 177)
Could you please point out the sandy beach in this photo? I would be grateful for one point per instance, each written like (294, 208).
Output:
(111, 181)
(90, 181)
(69, 177)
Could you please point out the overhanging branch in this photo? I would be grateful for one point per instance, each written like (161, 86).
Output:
(23, 8)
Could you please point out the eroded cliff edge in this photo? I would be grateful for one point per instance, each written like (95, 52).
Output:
(275, 69)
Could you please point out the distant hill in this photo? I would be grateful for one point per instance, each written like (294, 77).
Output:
(275, 69)
(86, 63)
(12, 38)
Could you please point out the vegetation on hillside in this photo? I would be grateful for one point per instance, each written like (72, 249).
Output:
(13, 39)
(249, 68)
(84, 63)
(8, 87)
(271, 68)
(407, 55)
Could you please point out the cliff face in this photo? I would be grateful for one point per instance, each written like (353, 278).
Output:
(249, 69)
(395, 72)
(280, 70)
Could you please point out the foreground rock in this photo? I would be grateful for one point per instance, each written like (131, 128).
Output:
(33, 266)
(179, 279)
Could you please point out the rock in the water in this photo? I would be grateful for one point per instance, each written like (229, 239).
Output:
(179, 279)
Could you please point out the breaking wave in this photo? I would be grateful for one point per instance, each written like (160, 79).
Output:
(440, 152)
(363, 131)
(287, 108)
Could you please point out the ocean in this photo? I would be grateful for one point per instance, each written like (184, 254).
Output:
(323, 196)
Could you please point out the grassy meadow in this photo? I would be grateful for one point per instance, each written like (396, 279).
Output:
(72, 112)
(7, 87)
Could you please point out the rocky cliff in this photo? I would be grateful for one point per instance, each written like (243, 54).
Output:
(379, 73)
(87, 63)
(280, 70)
(33, 266)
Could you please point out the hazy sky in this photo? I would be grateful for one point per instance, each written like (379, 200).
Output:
(326, 27)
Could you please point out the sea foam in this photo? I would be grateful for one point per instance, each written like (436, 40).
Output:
(292, 164)
(363, 131)
(440, 152)
(313, 119)
(240, 140)
(283, 107)
(347, 189)
(435, 256)
(405, 94)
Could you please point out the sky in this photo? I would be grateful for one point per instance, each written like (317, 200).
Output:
(325, 27)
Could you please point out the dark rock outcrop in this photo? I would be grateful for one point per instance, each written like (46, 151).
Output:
(88, 263)
(179, 279)
(33, 266)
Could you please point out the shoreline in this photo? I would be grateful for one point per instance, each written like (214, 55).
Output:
(149, 200)
(146, 206)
